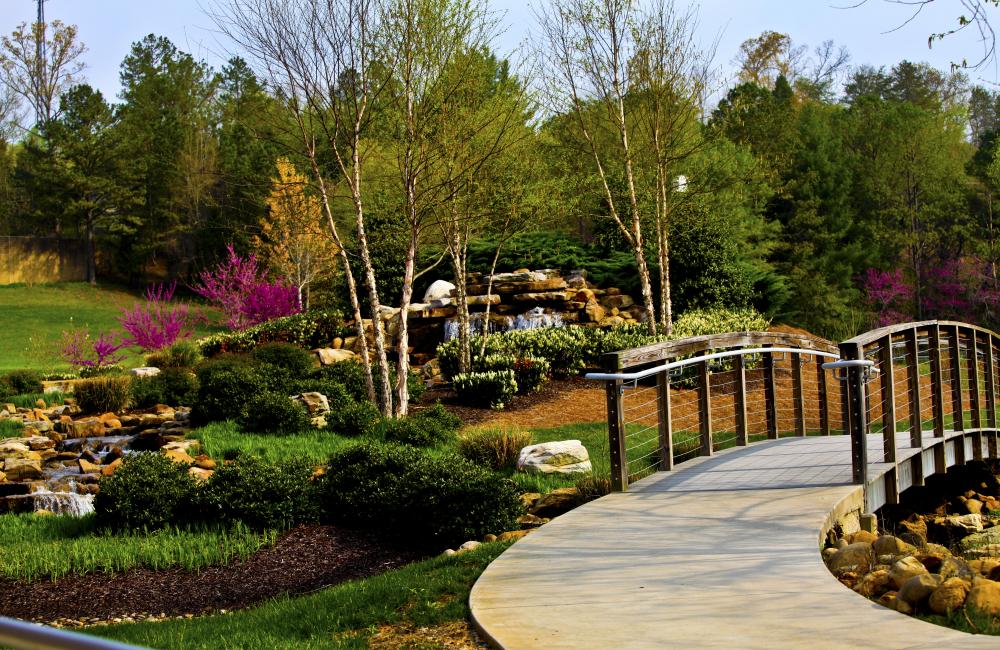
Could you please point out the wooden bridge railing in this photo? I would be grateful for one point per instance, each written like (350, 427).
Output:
(673, 401)
(932, 401)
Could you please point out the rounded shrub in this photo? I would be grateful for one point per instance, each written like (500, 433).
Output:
(227, 382)
(259, 494)
(270, 412)
(103, 394)
(428, 500)
(494, 447)
(148, 491)
(295, 360)
(174, 386)
(493, 388)
(181, 354)
(21, 382)
(414, 431)
(335, 393)
(356, 419)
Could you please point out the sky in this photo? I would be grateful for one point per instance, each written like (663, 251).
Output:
(873, 31)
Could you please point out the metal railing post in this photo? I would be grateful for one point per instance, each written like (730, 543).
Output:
(665, 424)
(741, 401)
(705, 408)
(857, 420)
(616, 435)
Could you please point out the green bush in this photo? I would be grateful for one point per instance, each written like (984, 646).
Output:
(698, 322)
(103, 394)
(20, 382)
(441, 417)
(182, 354)
(312, 329)
(352, 375)
(335, 393)
(148, 491)
(493, 388)
(428, 500)
(425, 429)
(298, 362)
(269, 412)
(224, 390)
(356, 419)
(174, 386)
(494, 447)
(259, 494)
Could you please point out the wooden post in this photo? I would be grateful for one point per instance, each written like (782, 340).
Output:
(958, 410)
(705, 408)
(857, 417)
(616, 435)
(975, 385)
(770, 394)
(888, 385)
(937, 385)
(991, 389)
(665, 424)
(741, 401)
(798, 398)
(824, 404)
(913, 382)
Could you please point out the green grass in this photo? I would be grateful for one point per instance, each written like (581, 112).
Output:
(423, 594)
(30, 400)
(222, 440)
(33, 318)
(33, 547)
(10, 429)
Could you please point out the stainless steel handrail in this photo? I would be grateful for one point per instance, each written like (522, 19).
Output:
(21, 635)
(642, 374)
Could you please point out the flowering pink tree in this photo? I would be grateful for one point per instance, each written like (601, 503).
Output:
(948, 291)
(239, 287)
(157, 324)
(888, 294)
(82, 351)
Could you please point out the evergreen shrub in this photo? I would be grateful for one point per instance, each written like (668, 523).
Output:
(270, 412)
(493, 388)
(259, 494)
(147, 492)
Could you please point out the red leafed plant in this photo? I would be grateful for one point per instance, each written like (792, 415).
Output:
(157, 323)
(79, 349)
(239, 287)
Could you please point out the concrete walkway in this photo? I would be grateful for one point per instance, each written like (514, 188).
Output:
(721, 553)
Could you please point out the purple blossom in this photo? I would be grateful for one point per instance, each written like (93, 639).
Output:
(888, 294)
(156, 324)
(79, 349)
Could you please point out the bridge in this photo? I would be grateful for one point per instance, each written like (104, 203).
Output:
(732, 456)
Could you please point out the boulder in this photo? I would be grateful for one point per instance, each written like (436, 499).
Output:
(874, 584)
(439, 289)
(200, 474)
(560, 457)
(856, 558)
(204, 462)
(905, 569)
(111, 468)
(85, 428)
(960, 524)
(177, 456)
(949, 597)
(512, 535)
(147, 371)
(890, 545)
(330, 356)
(22, 469)
(181, 445)
(974, 506)
(315, 403)
(17, 448)
(918, 589)
(39, 443)
(557, 502)
(469, 546)
(862, 536)
(984, 597)
(87, 467)
(980, 541)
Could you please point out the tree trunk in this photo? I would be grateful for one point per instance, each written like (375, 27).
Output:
(91, 252)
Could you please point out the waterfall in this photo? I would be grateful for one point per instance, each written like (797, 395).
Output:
(537, 318)
(497, 324)
(63, 503)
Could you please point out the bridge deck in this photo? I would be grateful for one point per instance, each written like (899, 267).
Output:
(722, 552)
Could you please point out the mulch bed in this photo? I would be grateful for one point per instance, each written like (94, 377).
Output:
(304, 559)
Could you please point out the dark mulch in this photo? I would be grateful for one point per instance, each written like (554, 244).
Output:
(304, 559)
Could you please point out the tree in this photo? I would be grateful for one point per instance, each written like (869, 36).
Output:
(39, 65)
(296, 244)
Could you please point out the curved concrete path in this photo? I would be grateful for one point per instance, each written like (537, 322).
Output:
(723, 552)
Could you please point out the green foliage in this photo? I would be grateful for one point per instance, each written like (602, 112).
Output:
(173, 385)
(147, 492)
(529, 372)
(181, 354)
(311, 329)
(356, 419)
(19, 382)
(269, 412)
(295, 360)
(111, 369)
(492, 388)
(260, 495)
(698, 322)
(103, 394)
(428, 500)
(351, 374)
(336, 395)
(427, 428)
(495, 447)
(224, 388)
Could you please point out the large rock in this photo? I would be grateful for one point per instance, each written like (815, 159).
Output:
(975, 541)
(439, 289)
(889, 545)
(919, 588)
(854, 558)
(330, 356)
(949, 597)
(984, 597)
(560, 457)
(905, 569)
(17, 448)
(86, 428)
(147, 371)
(874, 584)
(556, 502)
(315, 403)
(22, 469)
(960, 524)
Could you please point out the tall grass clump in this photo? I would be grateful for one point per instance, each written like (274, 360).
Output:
(495, 447)
(103, 394)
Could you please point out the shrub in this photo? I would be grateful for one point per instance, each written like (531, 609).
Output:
(148, 491)
(259, 494)
(425, 429)
(174, 386)
(529, 372)
(431, 501)
(19, 382)
(157, 324)
(697, 322)
(493, 388)
(274, 413)
(80, 350)
(102, 394)
(494, 447)
(86, 372)
(441, 417)
(355, 419)
(335, 393)
(224, 390)
(292, 358)
(182, 354)
(311, 329)
(352, 375)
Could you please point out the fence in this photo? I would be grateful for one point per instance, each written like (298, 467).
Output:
(41, 259)
(669, 402)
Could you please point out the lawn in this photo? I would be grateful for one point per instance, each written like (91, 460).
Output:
(33, 318)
